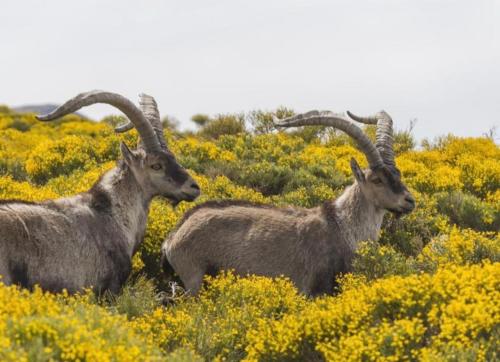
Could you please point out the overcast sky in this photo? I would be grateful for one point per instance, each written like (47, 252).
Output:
(434, 60)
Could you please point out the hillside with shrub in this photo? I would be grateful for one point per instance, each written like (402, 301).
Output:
(429, 289)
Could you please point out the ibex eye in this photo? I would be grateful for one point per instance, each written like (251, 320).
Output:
(156, 166)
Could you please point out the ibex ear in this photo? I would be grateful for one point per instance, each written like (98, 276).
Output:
(128, 156)
(356, 170)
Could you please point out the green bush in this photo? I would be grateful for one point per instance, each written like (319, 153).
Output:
(306, 197)
(262, 121)
(21, 124)
(410, 233)
(224, 124)
(201, 119)
(375, 261)
(265, 177)
(403, 142)
(468, 211)
(183, 355)
(232, 170)
(309, 134)
(137, 298)
(114, 120)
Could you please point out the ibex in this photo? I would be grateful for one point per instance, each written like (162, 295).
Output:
(88, 240)
(310, 246)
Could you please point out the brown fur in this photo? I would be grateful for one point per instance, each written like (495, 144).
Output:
(310, 246)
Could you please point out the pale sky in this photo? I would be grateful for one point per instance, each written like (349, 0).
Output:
(434, 60)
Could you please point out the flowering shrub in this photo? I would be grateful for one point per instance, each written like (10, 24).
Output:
(427, 290)
(452, 314)
(41, 326)
(461, 247)
(61, 157)
(216, 324)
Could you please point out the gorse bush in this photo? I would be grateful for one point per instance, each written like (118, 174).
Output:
(217, 323)
(375, 261)
(427, 290)
(37, 326)
(408, 235)
(457, 247)
(460, 247)
(419, 317)
(469, 211)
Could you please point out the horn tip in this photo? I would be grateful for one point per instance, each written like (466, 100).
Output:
(124, 127)
(278, 122)
(43, 117)
(147, 97)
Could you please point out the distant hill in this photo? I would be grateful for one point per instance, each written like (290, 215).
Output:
(40, 109)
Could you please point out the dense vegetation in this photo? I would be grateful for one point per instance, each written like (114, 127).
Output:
(428, 290)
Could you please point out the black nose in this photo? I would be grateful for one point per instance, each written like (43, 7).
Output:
(410, 200)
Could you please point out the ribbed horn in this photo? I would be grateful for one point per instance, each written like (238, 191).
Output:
(150, 111)
(384, 135)
(339, 121)
(134, 114)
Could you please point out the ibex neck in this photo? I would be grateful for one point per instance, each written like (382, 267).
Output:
(359, 217)
(129, 204)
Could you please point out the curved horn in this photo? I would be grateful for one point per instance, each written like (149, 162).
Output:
(124, 127)
(384, 135)
(134, 114)
(365, 120)
(150, 110)
(339, 121)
